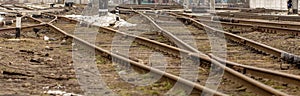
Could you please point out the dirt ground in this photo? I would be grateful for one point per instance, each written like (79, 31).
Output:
(33, 66)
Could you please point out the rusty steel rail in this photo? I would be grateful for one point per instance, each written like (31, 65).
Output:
(142, 66)
(260, 72)
(13, 30)
(260, 22)
(136, 64)
(261, 26)
(6, 7)
(34, 19)
(40, 21)
(174, 49)
(55, 17)
(24, 7)
(5, 22)
(288, 57)
(150, 7)
(258, 16)
(233, 75)
(169, 35)
(23, 28)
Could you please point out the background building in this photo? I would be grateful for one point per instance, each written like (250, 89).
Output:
(269, 4)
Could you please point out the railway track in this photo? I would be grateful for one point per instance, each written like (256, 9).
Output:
(238, 54)
(205, 58)
(236, 24)
(234, 74)
(274, 72)
(258, 16)
(141, 50)
(284, 34)
(144, 67)
(45, 18)
(149, 7)
(11, 22)
(229, 72)
(27, 25)
(289, 57)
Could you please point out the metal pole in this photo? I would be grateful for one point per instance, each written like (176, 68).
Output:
(117, 13)
(212, 6)
(295, 6)
(103, 7)
(18, 25)
(186, 4)
(280, 4)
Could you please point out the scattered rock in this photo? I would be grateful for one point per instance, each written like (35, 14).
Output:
(36, 60)
(285, 84)
(131, 80)
(63, 42)
(46, 55)
(52, 39)
(122, 72)
(49, 59)
(26, 85)
(107, 92)
(46, 38)
(27, 51)
(49, 48)
(241, 89)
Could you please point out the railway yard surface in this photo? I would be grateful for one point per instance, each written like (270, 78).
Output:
(148, 50)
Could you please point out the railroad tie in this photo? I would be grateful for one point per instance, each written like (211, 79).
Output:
(290, 58)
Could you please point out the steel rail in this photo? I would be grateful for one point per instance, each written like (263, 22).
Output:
(142, 66)
(169, 35)
(289, 57)
(261, 72)
(3, 23)
(55, 17)
(261, 26)
(1, 5)
(13, 30)
(24, 7)
(263, 23)
(176, 51)
(35, 20)
(40, 21)
(233, 75)
(265, 73)
(150, 43)
(279, 76)
(258, 16)
(149, 7)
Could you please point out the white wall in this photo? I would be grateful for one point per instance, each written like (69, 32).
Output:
(50, 1)
(81, 1)
(270, 4)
